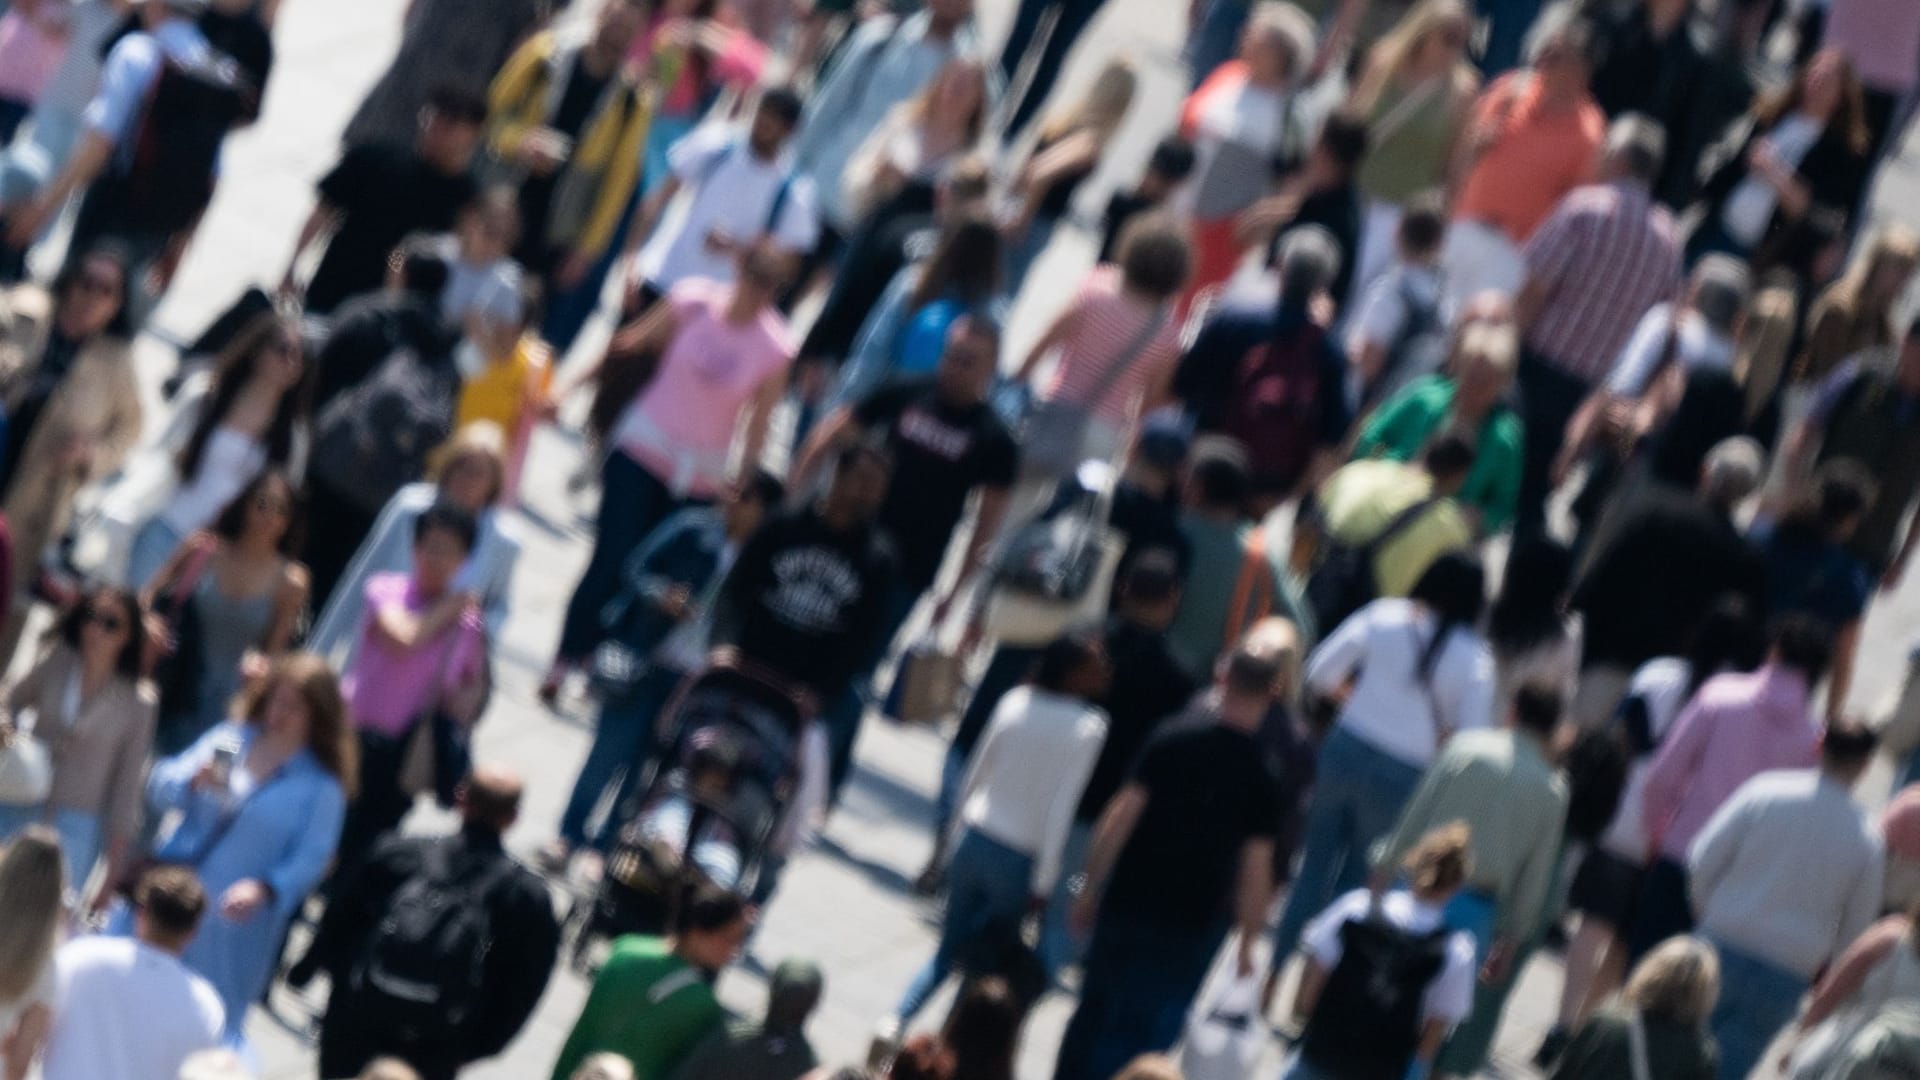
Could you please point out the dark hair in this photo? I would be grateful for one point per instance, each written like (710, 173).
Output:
(764, 488)
(423, 266)
(1065, 656)
(863, 449)
(1221, 482)
(964, 266)
(1451, 453)
(1423, 225)
(783, 102)
(232, 522)
(1254, 672)
(1344, 137)
(1803, 643)
(1847, 741)
(709, 909)
(1455, 587)
(1850, 119)
(1537, 707)
(451, 101)
(983, 1031)
(121, 325)
(172, 899)
(1842, 490)
(233, 369)
(1152, 578)
(1729, 638)
(74, 620)
(1531, 606)
(1154, 255)
(447, 517)
(923, 1057)
(1172, 158)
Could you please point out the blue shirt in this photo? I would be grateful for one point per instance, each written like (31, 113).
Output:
(131, 68)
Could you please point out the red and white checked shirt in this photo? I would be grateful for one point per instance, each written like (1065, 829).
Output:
(1606, 254)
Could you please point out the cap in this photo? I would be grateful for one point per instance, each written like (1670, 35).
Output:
(1164, 439)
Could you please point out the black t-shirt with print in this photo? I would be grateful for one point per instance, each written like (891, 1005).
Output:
(940, 454)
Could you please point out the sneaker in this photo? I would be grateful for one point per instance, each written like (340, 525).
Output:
(1551, 1047)
(885, 1044)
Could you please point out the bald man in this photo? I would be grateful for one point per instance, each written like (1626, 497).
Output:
(395, 992)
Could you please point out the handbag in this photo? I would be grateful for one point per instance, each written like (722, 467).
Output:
(26, 769)
(926, 689)
(1056, 573)
(1053, 437)
(138, 867)
(176, 667)
(1225, 1034)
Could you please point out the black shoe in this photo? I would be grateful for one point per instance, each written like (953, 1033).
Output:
(1551, 1047)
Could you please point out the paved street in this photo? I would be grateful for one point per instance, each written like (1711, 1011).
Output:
(845, 904)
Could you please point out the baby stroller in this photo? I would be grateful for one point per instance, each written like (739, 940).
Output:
(724, 768)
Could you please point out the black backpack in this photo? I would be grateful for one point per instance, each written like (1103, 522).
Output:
(375, 437)
(423, 975)
(1367, 1023)
(167, 177)
(1343, 581)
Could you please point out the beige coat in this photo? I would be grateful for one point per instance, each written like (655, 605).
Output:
(100, 758)
(96, 405)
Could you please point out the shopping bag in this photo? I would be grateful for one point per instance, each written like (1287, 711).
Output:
(1225, 1032)
(926, 689)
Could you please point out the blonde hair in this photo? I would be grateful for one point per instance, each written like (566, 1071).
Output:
(1494, 344)
(1276, 639)
(1150, 1067)
(1101, 108)
(1678, 981)
(1441, 861)
(604, 1067)
(1293, 29)
(921, 107)
(482, 440)
(33, 886)
(1399, 45)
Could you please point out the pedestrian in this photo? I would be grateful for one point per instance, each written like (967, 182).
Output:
(251, 414)
(33, 890)
(1015, 807)
(438, 948)
(445, 47)
(1535, 638)
(661, 618)
(1415, 90)
(1736, 727)
(378, 194)
(1661, 1017)
(1608, 882)
(1784, 877)
(133, 1006)
(774, 1047)
(31, 35)
(73, 404)
(917, 139)
(95, 716)
(1230, 583)
(1407, 674)
(694, 51)
(1879, 971)
(422, 657)
(1397, 325)
(1199, 808)
(723, 356)
(1653, 575)
(1534, 135)
(1343, 1031)
(483, 280)
(1652, 66)
(653, 1000)
(261, 798)
(506, 374)
(1322, 193)
(1810, 570)
(1065, 153)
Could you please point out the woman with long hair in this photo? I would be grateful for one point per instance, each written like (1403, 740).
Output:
(33, 894)
(905, 333)
(1806, 146)
(1535, 638)
(1414, 93)
(95, 717)
(918, 138)
(1407, 674)
(246, 591)
(251, 413)
(1066, 153)
(260, 798)
(1669, 999)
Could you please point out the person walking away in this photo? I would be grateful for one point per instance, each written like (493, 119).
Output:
(1016, 805)
(1322, 193)
(1534, 638)
(1811, 572)
(1398, 325)
(132, 1007)
(1230, 582)
(1064, 155)
(95, 716)
(1405, 675)
(1598, 261)
(1736, 727)
(1070, 21)
(1652, 65)
(379, 194)
(1533, 137)
(653, 1000)
(1199, 809)
(1784, 876)
(261, 798)
(723, 356)
(1401, 940)
(438, 948)
(423, 653)
(1879, 971)
(445, 45)
(774, 1047)
(1661, 1017)
(1652, 576)
(33, 887)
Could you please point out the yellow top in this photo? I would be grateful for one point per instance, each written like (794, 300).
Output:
(507, 390)
(1360, 500)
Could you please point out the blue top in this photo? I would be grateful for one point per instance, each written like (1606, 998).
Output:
(132, 66)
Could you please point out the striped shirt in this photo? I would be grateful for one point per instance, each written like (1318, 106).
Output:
(1605, 255)
(1095, 367)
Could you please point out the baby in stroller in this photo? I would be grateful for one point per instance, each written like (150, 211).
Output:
(710, 789)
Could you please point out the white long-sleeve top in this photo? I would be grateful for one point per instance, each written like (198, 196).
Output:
(1394, 707)
(1028, 772)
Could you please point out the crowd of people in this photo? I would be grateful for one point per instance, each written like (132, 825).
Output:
(1439, 528)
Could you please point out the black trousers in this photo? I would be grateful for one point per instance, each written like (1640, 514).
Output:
(1548, 399)
(336, 527)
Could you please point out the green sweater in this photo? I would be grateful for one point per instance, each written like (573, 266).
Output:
(1601, 1050)
(647, 1005)
(1400, 427)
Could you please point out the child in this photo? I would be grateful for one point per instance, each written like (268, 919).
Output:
(1398, 330)
(713, 768)
(1167, 169)
(482, 278)
(507, 375)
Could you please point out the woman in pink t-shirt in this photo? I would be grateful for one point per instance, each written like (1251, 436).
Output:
(724, 352)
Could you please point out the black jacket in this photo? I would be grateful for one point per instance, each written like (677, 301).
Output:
(1834, 172)
(368, 329)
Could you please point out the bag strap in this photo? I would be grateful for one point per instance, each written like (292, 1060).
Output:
(1108, 380)
(1637, 1047)
(225, 822)
(1250, 603)
(1441, 732)
(1398, 524)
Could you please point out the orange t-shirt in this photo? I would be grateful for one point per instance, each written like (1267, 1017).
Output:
(1539, 156)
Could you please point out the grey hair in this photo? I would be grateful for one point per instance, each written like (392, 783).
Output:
(1679, 982)
(1639, 144)
(1561, 22)
(1294, 28)
(1732, 471)
(1721, 285)
(1309, 260)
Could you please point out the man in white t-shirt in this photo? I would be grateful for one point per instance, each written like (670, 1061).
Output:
(741, 187)
(127, 1008)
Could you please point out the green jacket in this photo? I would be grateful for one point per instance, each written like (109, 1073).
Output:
(647, 1005)
(1400, 427)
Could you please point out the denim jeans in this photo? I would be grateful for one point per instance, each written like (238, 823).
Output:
(1073, 20)
(1057, 945)
(1358, 792)
(1138, 981)
(1507, 25)
(632, 502)
(1216, 38)
(1757, 999)
(987, 888)
(621, 745)
(843, 716)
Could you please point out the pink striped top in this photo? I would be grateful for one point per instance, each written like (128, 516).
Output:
(1106, 323)
(1606, 254)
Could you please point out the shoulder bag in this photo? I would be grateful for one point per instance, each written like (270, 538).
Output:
(1053, 436)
